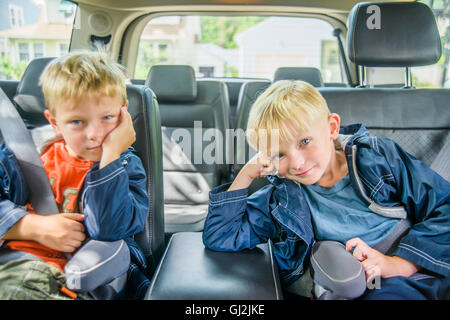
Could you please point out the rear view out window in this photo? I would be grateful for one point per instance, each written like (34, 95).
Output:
(33, 29)
(437, 75)
(244, 47)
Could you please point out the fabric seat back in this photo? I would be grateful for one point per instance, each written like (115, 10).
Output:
(194, 118)
(417, 119)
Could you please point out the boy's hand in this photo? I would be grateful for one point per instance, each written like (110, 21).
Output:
(62, 232)
(259, 166)
(377, 264)
(119, 139)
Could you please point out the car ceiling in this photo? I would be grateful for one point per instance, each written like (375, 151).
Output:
(329, 5)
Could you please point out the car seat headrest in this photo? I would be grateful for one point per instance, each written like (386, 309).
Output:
(392, 34)
(29, 96)
(307, 74)
(172, 83)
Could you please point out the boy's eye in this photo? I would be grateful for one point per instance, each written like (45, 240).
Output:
(304, 142)
(108, 117)
(278, 156)
(76, 122)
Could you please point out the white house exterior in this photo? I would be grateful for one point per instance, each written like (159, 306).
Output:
(216, 59)
(284, 42)
(176, 40)
(48, 36)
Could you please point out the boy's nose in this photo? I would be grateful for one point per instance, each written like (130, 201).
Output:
(296, 161)
(94, 132)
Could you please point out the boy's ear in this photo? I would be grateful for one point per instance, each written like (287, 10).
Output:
(126, 104)
(334, 121)
(52, 121)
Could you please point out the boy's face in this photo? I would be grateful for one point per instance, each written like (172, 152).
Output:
(85, 124)
(307, 159)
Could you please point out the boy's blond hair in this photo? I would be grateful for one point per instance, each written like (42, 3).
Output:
(286, 106)
(75, 75)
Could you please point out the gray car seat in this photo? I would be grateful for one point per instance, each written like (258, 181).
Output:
(194, 118)
(417, 119)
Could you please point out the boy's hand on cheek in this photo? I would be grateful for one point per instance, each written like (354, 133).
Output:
(257, 167)
(119, 139)
(260, 166)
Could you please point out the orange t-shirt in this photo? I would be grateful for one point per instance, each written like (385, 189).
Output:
(66, 174)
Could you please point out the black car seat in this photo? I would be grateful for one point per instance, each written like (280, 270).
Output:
(194, 119)
(417, 119)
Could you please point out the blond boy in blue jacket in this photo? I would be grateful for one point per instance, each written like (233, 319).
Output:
(337, 184)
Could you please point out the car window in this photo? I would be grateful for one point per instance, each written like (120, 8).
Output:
(32, 29)
(437, 75)
(244, 46)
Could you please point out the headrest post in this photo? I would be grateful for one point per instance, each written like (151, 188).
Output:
(408, 77)
(362, 77)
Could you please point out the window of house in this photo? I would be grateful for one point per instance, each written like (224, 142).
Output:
(150, 53)
(206, 72)
(329, 64)
(15, 16)
(37, 37)
(63, 48)
(24, 52)
(239, 46)
(163, 52)
(38, 50)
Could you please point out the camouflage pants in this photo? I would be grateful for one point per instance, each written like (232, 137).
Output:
(31, 279)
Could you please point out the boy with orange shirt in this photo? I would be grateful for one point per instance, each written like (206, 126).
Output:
(87, 107)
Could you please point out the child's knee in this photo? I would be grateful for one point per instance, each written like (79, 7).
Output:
(26, 279)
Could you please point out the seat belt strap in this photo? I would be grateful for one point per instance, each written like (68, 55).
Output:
(441, 164)
(390, 243)
(19, 140)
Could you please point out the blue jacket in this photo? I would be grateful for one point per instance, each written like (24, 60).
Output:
(392, 183)
(112, 211)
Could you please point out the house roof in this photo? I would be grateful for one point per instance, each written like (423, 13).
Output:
(40, 30)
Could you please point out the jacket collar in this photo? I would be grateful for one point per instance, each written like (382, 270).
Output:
(355, 130)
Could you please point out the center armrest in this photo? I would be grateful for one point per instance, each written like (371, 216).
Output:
(189, 271)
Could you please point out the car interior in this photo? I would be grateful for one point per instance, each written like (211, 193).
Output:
(174, 101)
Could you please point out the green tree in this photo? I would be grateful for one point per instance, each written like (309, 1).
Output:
(147, 57)
(221, 30)
(10, 70)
